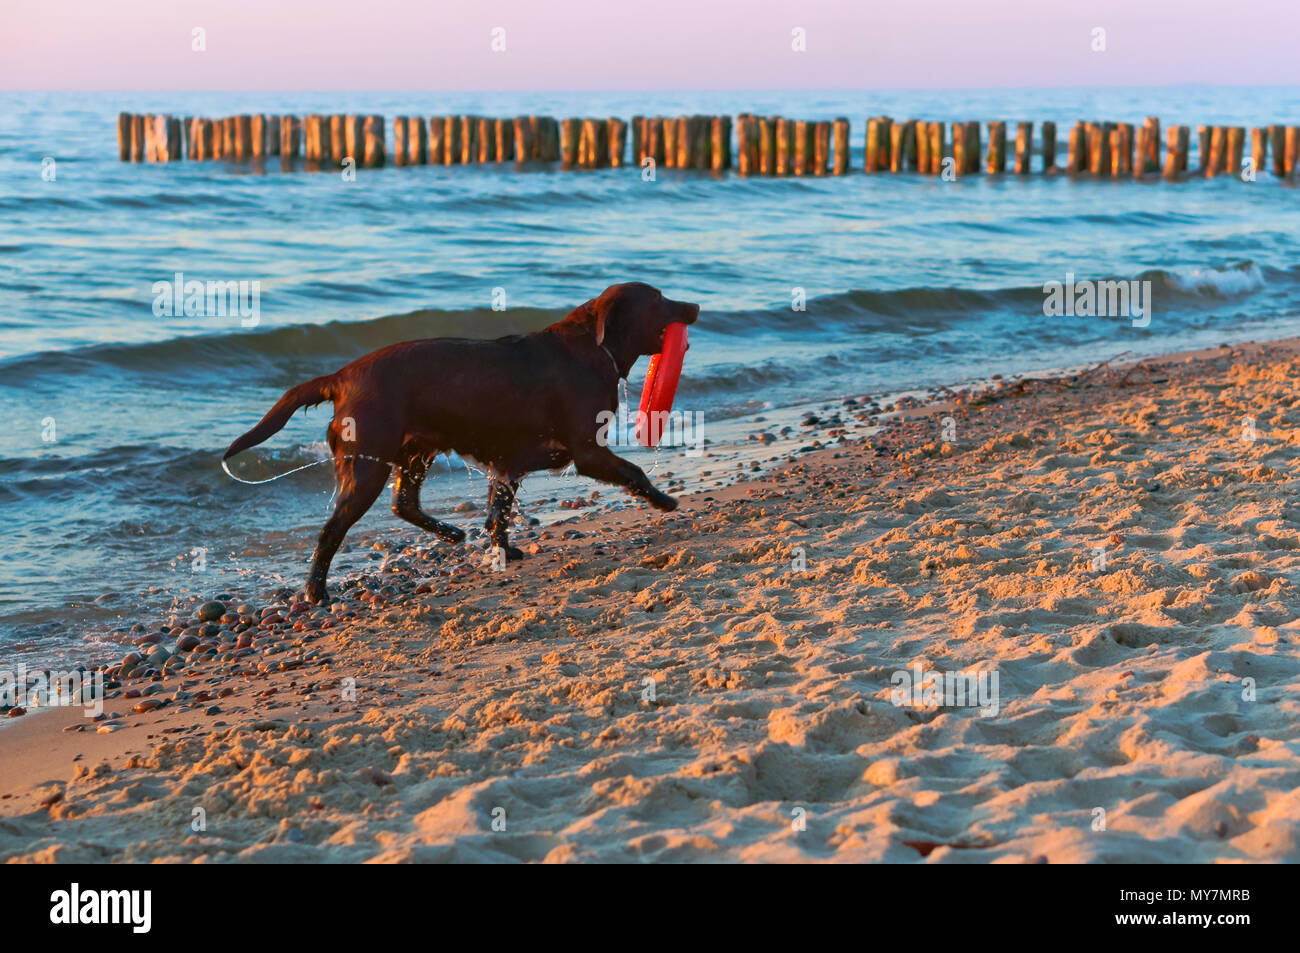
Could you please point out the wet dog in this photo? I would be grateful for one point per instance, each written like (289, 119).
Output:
(515, 404)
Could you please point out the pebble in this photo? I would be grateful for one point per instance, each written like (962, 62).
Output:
(211, 611)
(148, 704)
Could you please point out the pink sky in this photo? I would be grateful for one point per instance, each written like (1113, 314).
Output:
(627, 44)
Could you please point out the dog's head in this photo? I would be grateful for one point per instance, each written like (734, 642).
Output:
(630, 319)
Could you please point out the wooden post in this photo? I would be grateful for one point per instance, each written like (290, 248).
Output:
(137, 137)
(521, 133)
(821, 147)
(155, 133)
(338, 137)
(535, 138)
(1149, 161)
(568, 142)
(1171, 152)
(602, 143)
(996, 159)
(468, 140)
(910, 143)
(437, 137)
(1259, 147)
(202, 139)
(670, 143)
(504, 133)
(719, 145)
(451, 144)
(311, 138)
(373, 129)
(703, 148)
(1203, 149)
(617, 133)
(171, 148)
(1049, 147)
(150, 137)
(766, 144)
(938, 146)
(971, 139)
(1277, 145)
(654, 140)
(923, 147)
(1292, 146)
(124, 137)
(684, 155)
(871, 147)
(897, 148)
(552, 150)
(841, 146)
(271, 130)
(1077, 156)
(1143, 150)
(1024, 147)
(638, 139)
(354, 144)
(401, 150)
(417, 141)
(485, 140)
(257, 135)
(1098, 141)
(749, 145)
(290, 138)
(960, 158)
(1218, 152)
(1236, 144)
(784, 146)
(802, 154)
(243, 137)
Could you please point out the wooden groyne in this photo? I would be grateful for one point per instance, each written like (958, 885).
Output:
(750, 145)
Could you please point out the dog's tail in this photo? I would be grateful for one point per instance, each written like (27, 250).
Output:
(304, 395)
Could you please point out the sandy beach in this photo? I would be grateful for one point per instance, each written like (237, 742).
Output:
(1118, 546)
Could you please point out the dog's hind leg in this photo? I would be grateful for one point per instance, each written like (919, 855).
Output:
(406, 500)
(360, 482)
(501, 499)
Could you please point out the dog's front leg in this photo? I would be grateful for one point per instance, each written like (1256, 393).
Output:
(501, 499)
(601, 463)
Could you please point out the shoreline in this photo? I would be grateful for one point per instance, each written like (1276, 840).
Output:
(476, 689)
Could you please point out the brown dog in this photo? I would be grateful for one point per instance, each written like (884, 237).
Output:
(517, 404)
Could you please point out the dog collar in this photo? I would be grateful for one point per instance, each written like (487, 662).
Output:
(617, 372)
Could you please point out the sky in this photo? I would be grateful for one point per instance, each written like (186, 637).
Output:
(651, 45)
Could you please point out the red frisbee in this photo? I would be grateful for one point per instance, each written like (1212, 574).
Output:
(661, 385)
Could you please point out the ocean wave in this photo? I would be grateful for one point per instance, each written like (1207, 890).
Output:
(907, 311)
(1231, 282)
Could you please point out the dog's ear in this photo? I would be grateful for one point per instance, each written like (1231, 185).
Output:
(596, 319)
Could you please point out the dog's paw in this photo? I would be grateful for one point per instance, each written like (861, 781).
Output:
(514, 554)
(662, 501)
(316, 593)
(452, 535)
